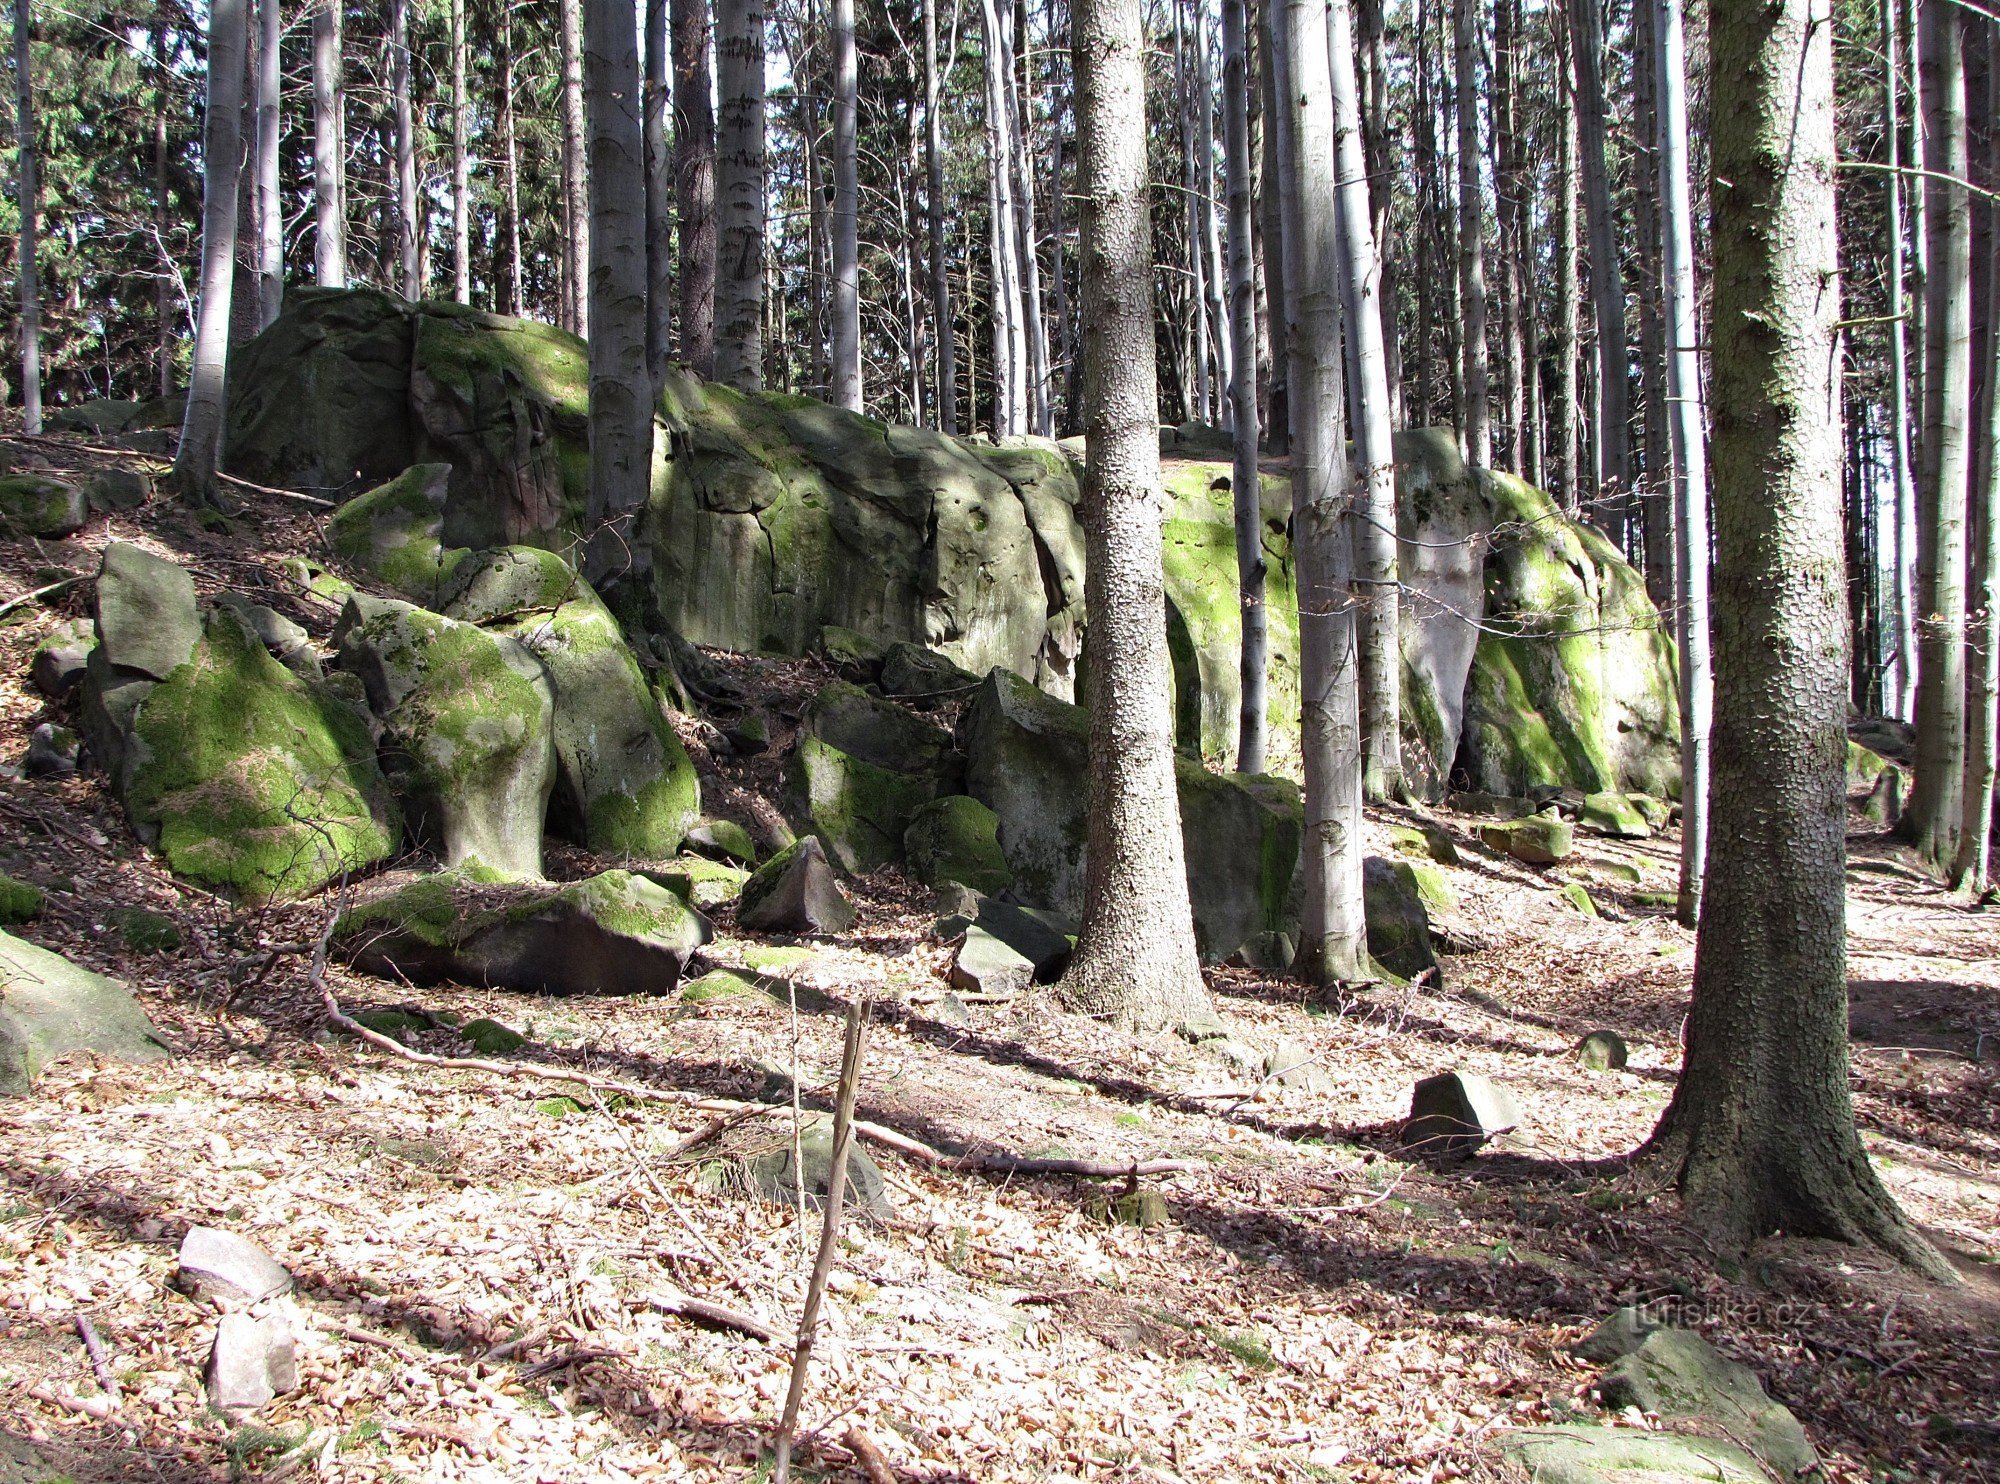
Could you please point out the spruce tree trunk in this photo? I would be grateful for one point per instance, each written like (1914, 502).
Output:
(1982, 669)
(575, 177)
(1610, 502)
(1903, 538)
(1761, 1129)
(846, 348)
(200, 451)
(29, 205)
(1507, 271)
(1246, 488)
(1653, 511)
(1215, 267)
(403, 108)
(621, 381)
(947, 337)
(659, 196)
(1333, 933)
(329, 148)
(1135, 958)
(1376, 574)
(1567, 416)
(165, 335)
(270, 212)
(1277, 409)
(510, 171)
(1689, 453)
(694, 184)
(739, 191)
(1935, 818)
(461, 160)
(1476, 432)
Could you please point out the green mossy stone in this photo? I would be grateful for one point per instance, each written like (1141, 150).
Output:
(1538, 840)
(1656, 812)
(148, 622)
(1677, 1374)
(19, 900)
(957, 839)
(251, 780)
(702, 883)
(491, 1038)
(788, 1176)
(1399, 936)
(1425, 842)
(1143, 1208)
(49, 1007)
(1623, 871)
(859, 810)
(721, 985)
(1578, 897)
(117, 490)
(1613, 814)
(1602, 1051)
(393, 533)
(723, 840)
(398, 1024)
(60, 660)
(1595, 1453)
(38, 505)
(144, 930)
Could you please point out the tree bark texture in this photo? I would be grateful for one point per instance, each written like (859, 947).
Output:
(1610, 502)
(1903, 597)
(329, 148)
(694, 184)
(403, 106)
(739, 190)
(1246, 486)
(461, 159)
(29, 204)
(270, 214)
(576, 170)
(941, 314)
(1476, 431)
(659, 195)
(846, 347)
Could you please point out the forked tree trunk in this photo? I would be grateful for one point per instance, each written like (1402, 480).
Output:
(200, 452)
(946, 334)
(846, 347)
(461, 161)
(1935, 819)
(694, 184)
(1135, 958)
(329, 148)
(1246, 487)
(1610, 502)
(403, 108)
(739, 190)
(1689, 453)
(270, 206)
(29, 205)
(576, 173)
(1467, 42)
(1333, 934)
(1761, 1129)
(1379, 620)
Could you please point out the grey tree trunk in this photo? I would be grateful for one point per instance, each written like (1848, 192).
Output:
(1135, 958)
(1689, 453)
(947, 338)
(1651, 510)
(1020, 157)
(1201, 408)
(1761, 1128)
(1935, 818)
(270, 213)
(1215, 267)
(1611, 500)
(1903, 538)
(407, 208)
(1568, 411)
(29, 205)
(1246, 488)
(1333, 933)
(1467, 42)
(510, 170)
(575, 180)
(461, 161)
(1982, 599)
(846, 347)
(739, 190)
(1277, 414)
(165, 335)
(200, 454)
(694, 184)
(1010, 372)
(1376, 573)
(621, 381)
(329, 148)
(659, 196)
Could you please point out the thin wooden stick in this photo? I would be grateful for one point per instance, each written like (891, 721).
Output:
(829, 1235)
(93, 1346)
(673, 1301)
(265, 489)
(869, 1456)
(41, 592)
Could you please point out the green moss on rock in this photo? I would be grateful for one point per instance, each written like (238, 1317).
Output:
(38, 505)
(393, 533)
(20, 901)
(957, 839)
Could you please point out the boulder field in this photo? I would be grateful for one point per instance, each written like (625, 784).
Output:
(1531, 654)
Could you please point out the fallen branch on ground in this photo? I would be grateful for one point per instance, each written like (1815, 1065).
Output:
(869, 1456)
(100, 1364)
(687, 1306)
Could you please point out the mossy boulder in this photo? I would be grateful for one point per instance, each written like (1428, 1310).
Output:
(723, 840)
(40, 505)
(795, 892)
(1597, 1453)
(148, 621)
(117, 490)
(957, 839)
(626, 786)
(1537, 840)
(1399, 925)
(1613, 815)
(861, 770)
(923, 676)
(394, 533)
(467, 734)
(142, 930)
(50, 1007)
(247, 778)
(20, 901)
(1578, 898)
(1677, 1375)
(59, 661)
(614, 933)
(700, 882)
(801, 1172)
(1424, 841)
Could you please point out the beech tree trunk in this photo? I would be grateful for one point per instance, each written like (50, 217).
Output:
(461, 160)
(846, 347)
(510, 170)
(1200, 408)
(1333, 933)
(1214, 268)
(403, 109)
(1135, 958)
(739, 189)
(1010, 372)
(946, 333)
(694, 184)
(1567, 415)
(270, 213)
(200, 453)
(1935, 818)
(1903, 540)
(1982, 599)
(1476, 431)
(659, 196)
(1761, 1128)
(329, 148)
(29, 205)
(1246, 488)
(1277, 409)
(575, 180)
(1610, 502)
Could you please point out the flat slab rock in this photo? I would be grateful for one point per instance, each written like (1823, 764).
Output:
(1594, 1453)
(1454, 1113)
(795, 892)
(50, 1007)
(229, 1271)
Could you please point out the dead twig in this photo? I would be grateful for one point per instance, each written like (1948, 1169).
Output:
(93, 1346)
(869, 1455)
(22, 599)
(264, 489)
(646, 1170)
(687, 1306)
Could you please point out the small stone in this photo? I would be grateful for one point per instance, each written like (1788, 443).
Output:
(986, 965)
(147, 619)
(118, 490)
(1425, 841)
(1143, 1208)
(1538, 840)
(1884, 804)
(19, 900)
(795, 892)
(1290, 1065)
(1579, 897)
(923, 675)
(144, 930)
(491, 1038)
(853, 656)
(52, 752)
(1613, 815)
(229, 1271)
(723, 840)
(1602, 1051)
(1269, 952)
(41, 506)
(1623, 1331)
(289, 644)
(1655, 811)
(49, 1007)
(1454, 1113)
(749, 735)
(774, 1175)
(954, 1012)
(61, 659)
(251, 1364)
(1677, 1374)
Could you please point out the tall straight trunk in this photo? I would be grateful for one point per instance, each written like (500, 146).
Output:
(1332, 930)
(165, 336)
(1215, 268)
(1467, 42)
(404, 116)
(1010, 372)
(621, 381)
(659, 195)
(1202, 409)
(739, 191)
(1276, 168)
(270, 214)
(329, 91)
(195, 466)
(1424, 148)
(1020, 116)
(1652, 508)
(1761, 1129)
(1611, 500)
(461, 161)
(1903, 542)
(947, 339)
(1059, 301)
(1935, 818)
(575, 176)
(846, 348)
(694, 184)
(1568, 412)
(29, 205)
(1982, 673)
(1688, 450)
(1246, 488)
(510, 170)
(1376, 574)
(1507, 275)
(1135, 958)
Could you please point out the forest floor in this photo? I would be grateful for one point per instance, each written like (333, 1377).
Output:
(476, 1252)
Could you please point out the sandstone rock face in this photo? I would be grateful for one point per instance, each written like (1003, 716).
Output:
(795, 892)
